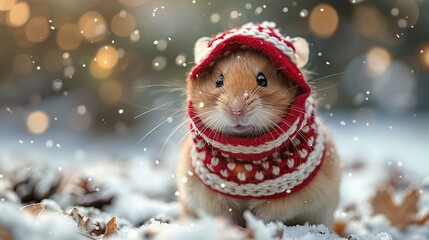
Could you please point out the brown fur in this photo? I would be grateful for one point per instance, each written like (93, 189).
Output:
(314, 204)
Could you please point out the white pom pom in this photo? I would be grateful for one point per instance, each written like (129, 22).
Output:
(199, 48)
(302, 51)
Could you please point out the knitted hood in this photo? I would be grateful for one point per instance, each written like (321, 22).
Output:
(273, 164)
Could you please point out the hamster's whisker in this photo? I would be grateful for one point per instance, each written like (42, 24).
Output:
(155, 108)
(325, 88)
(157, 126)
(173, 86)
(156, 85)
(181, 140)
(328, 76)
(180, 125)
(175, 107)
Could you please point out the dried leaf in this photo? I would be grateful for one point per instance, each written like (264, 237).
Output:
(279, 233)
(400, 215)
(422, 220)
(111, 227)
(77, 217)
(339, 228)
(34, 208)
(93, 229)
(5, 233)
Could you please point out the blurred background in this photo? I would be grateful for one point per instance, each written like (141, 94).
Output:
(109, 75)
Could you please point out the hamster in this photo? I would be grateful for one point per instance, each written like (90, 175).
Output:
(241, 100)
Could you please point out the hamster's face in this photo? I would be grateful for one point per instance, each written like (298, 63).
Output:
(243, 94)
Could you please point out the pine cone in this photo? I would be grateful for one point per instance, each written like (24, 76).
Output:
(34, 183)
(88, 193)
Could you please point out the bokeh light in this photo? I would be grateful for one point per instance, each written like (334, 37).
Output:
(135, 36)
(161, 45)
(69, 37)
(123, 24)
(69, 71)
(323, 20)
(368, 20)
(93, 26)
(132, 3)
(37, 29)
(37, 122)
(159, 63)
(57, 85)
(106, 57)
(181, 59)
(378, 60)
(424, 55)
(215, 18)
(97, 71)
(110, 92)
(22, 64)
(18, 14)
(6, 5)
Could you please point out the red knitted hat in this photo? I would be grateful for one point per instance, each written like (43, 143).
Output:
(264, 38)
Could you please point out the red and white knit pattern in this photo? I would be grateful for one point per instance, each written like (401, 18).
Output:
(275, 163)
(265, 31)
(291, 164)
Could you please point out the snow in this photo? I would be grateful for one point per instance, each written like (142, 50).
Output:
(143, 190)
(23, 225)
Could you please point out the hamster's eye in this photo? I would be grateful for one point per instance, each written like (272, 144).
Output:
(261, 80)
(219, 81)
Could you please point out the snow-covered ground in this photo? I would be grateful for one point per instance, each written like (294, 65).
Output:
(110, 176)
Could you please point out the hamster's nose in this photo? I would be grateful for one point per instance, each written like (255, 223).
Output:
(237, 107)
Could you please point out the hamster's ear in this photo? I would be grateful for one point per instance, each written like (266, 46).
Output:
(301, 51)
(199, 48)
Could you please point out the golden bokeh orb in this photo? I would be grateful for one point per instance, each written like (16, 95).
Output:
(424, 55)
(123, 24)
(93, 26)
(69, 37)
(18, 14)
(378, 60)
(106, 57)
(132, 3)
(37, 122)
(98, 72)
(6, 5)
(323, 20)
(37, 29)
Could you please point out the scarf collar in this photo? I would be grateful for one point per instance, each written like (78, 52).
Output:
(272, 165)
